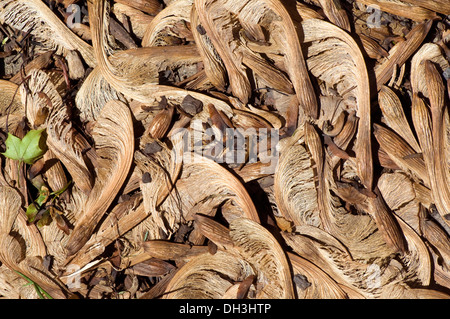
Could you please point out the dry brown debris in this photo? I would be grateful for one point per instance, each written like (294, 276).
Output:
(356, 205)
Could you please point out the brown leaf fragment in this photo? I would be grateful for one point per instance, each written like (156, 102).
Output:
(60, 221)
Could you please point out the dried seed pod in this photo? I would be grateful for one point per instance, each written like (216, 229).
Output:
(400, 152)
(335, 13)
(214, 67)
(55, 174)
(254, 12)
(206, 276)
(328, 42)
(40, 62)
(10, 101)
(75, 65)
(295, 191)
(166, 250)
(114, 137)
(440, 6)
(218, 27)
(372, 48)
(148, 6)
(270, 74)
(419, 260)
(412, 11)
(151, 268)
(163, 23)
(258, 247)
(246, 120)
(401, 52)
(34, 16)
(431, 52)
(214, 231)
(271, 117)
(160, 124)
(343, 139)
(440, 242)
(387, 223)
(66, 143)
(440, 180)
(395, 117)
(321, 285)
(314, 145)
(139, 20)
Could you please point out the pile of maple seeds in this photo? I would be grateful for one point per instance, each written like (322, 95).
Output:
(225, 149)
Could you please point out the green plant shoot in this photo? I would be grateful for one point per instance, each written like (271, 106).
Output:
(40, 292)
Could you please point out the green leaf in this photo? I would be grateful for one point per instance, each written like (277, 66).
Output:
(36, 206)
(31, 212)
(27, 150)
